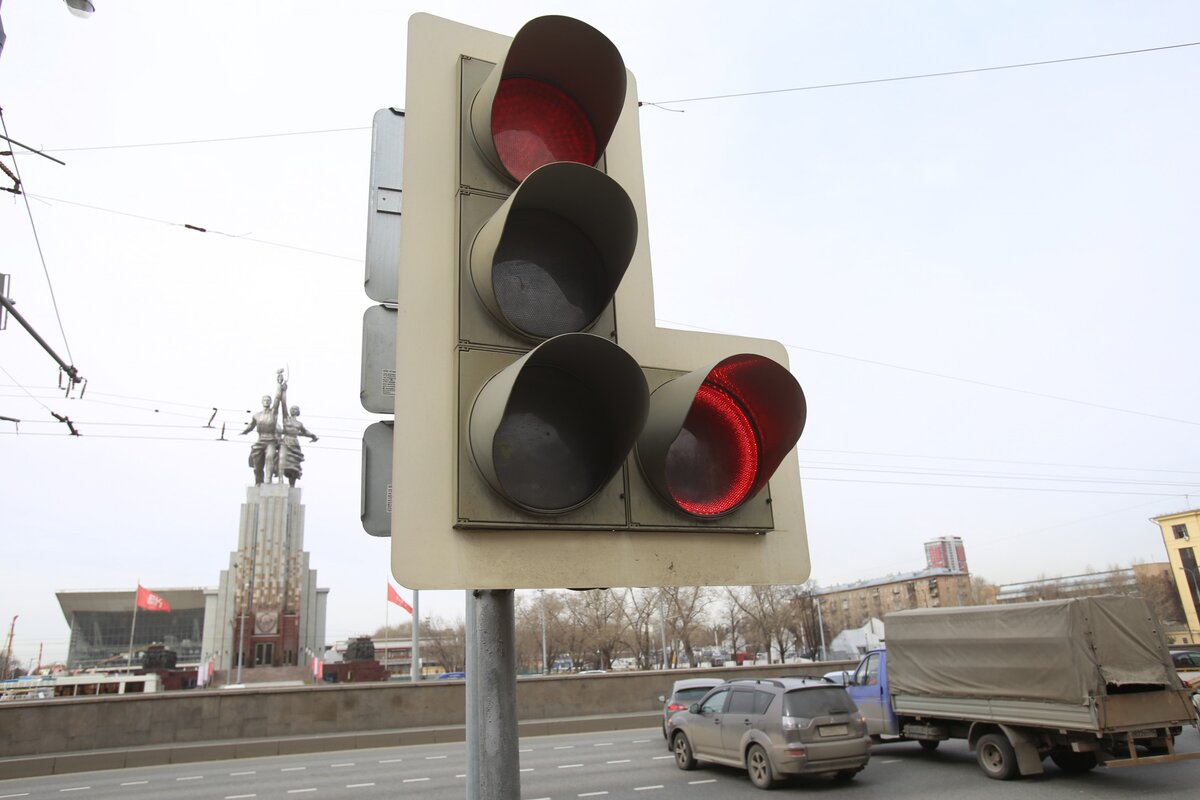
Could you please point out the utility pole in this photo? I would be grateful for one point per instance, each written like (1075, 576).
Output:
(8, 647)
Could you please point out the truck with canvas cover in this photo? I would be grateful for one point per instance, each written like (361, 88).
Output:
(1083, 681)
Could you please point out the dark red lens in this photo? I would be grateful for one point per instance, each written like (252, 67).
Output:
(712, 466)
(534, 124)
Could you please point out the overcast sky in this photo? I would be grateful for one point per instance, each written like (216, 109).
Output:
(987, 282)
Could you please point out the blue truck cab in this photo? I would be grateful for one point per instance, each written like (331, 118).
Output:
(868, 686)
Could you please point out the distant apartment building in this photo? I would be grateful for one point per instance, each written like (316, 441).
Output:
(1181, 534)
(945, 581)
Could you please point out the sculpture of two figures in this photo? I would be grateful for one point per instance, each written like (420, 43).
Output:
(276, 454)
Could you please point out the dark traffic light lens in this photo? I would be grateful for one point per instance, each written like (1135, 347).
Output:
(535, 123)
(553, 449)
(712, 466)
(547, 276)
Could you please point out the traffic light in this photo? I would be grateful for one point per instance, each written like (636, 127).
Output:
(546, 433)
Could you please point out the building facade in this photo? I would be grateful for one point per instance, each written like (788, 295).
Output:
(103, 627)
(945, 581)
(1181, 535)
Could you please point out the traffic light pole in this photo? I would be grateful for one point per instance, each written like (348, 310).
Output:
(493, 764)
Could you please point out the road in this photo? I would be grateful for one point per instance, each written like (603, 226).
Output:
(610, 765)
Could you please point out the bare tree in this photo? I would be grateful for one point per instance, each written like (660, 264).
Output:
(768, 610)
(447, 643)
(686, 606)
(642, 633)
(599, 616)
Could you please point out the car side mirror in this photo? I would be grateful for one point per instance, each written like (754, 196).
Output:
(694, 708)
(662, 698)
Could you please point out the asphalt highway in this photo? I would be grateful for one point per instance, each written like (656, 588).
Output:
(610, 765)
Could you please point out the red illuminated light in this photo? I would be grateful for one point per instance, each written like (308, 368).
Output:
(534, 124)
(720, 443)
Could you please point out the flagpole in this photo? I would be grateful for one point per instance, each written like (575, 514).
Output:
(133, 625)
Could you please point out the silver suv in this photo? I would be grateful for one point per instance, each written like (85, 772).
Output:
(773, 728)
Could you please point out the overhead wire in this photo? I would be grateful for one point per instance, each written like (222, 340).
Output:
(972, 381)
(920, 76)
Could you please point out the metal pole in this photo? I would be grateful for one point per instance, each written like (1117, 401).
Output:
(662, 618)
(545, 663)
(493, 764)
(415, 665)
(820, 626)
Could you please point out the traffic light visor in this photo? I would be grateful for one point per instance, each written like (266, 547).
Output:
(715, 436)
(551, 258)
(556, 96)
(550, 430)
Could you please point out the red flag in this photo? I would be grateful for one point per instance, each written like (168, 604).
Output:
(150, 601)
(394, 597)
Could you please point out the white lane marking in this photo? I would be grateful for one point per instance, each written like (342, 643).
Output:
(434, 758)
(247, 772)
(646, 788)
(344, 764)
(526, 750)
(569, 766)
(602, 744)
(414, 780)
(697, 783)
(660, 758)
(461, 776)
(134, 783)
(390, 760)
(527, 769)
(239, 796)
(640, 741)
(892, 761)
(564, 747)
(360, 785)
(75, 789)
(302, 791)
(20, 794)
(618, 761)
(591, 794)
(292, 769)
(191, 778)
(539, 798)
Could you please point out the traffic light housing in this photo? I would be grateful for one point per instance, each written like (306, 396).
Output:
(547, 434)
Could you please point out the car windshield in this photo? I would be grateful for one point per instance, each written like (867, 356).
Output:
(691, 694)
(820, 702)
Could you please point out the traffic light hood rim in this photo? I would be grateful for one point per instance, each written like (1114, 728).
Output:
(671, 403)
(614, 372)
(569, 55)
(583, 196)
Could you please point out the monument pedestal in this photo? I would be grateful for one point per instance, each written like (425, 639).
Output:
(267, 607)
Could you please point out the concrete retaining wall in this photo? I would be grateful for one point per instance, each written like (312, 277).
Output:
(230, 723)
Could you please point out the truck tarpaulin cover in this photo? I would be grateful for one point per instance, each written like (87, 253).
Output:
(1058, 650)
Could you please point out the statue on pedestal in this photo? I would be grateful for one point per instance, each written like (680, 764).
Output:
(276, 455)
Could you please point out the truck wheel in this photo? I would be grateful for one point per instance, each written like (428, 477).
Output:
(759, 767)
(683, 752)
(1070, 761)
(996, 757)
(929, 745)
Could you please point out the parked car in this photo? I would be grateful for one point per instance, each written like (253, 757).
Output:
(683, 694)
(773, 728)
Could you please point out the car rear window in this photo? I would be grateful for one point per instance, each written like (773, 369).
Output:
(819, 702)
(693, 694)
